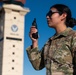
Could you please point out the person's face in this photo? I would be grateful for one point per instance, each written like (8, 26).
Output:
(53, 17)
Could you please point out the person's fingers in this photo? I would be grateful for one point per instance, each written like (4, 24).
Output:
(33, 30)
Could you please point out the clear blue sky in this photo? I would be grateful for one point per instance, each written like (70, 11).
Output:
(38, 10)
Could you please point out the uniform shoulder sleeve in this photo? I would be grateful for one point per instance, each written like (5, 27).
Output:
(74, 42)
(74, 51)
(36, 57)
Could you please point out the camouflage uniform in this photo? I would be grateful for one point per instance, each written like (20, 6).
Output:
(58, 55)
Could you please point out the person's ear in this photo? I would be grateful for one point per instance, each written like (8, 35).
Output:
(63, 16)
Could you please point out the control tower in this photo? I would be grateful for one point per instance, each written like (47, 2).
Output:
(12, 38)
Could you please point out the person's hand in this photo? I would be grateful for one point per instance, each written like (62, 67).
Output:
(34, 41)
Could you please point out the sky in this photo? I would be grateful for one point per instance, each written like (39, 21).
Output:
(38, 10)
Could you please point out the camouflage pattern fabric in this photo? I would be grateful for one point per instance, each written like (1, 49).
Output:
(58, 55)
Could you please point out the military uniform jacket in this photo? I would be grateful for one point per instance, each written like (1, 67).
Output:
(58, 55)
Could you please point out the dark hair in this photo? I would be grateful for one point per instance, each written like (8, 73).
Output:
(70, 22)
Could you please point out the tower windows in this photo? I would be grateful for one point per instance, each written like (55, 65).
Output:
(14, 17)
(12, 68)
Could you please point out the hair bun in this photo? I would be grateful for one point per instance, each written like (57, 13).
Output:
(72, 22)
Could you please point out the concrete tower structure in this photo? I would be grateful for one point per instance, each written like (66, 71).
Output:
(12, 39)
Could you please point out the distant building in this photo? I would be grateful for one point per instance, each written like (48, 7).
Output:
(12, 39)
(18, 2)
